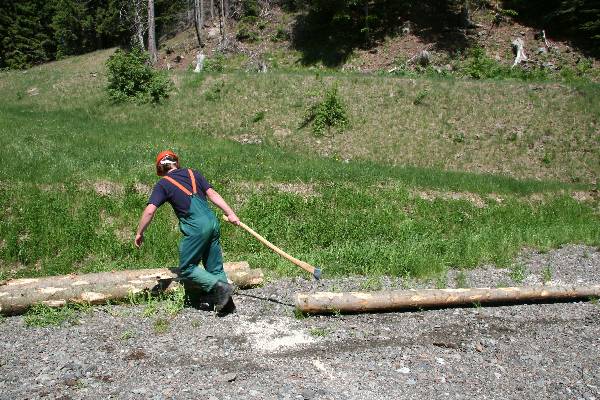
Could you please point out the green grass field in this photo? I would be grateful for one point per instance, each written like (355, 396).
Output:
(408, 189)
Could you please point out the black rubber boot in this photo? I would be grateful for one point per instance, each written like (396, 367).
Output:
(222, 292)
(228, 309)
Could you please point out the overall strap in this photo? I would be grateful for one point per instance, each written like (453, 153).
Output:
(193, 179)
(179, 185)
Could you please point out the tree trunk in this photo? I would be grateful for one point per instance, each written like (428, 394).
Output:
(356, 302)
(17, 295)
(152, 33)
(199, 19)
(212, 10)
(139, 26)
(222, 22)
(518, 47)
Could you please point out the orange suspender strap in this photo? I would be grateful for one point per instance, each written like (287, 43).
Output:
(193, 181)
(179, 185)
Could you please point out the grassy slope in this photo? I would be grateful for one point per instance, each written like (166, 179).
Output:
(66, 148)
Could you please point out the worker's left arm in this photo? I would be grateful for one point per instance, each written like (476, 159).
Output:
(145, 220)
(216, 198)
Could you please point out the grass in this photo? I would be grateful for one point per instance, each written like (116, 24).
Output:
(77, 170)
(164, 303)
(462, 280)
(547, 274)
(318, 332)
(161, 325)
(41, 315)
(127, 334)
(518, 272)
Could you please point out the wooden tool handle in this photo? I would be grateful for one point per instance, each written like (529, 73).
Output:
(305, 266)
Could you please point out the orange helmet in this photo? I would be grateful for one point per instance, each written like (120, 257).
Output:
(162, 155)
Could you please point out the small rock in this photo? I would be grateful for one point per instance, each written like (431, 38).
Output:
(440, 361)
(411, 382)
(479, 347)
(404, 370)
(308, 394)
(70, 382)
(139, 391)
(230, 377)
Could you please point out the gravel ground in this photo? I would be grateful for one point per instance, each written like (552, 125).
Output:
(543, 351)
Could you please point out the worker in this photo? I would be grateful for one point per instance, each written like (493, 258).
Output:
(187, 191)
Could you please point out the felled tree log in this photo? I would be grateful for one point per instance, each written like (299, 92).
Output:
(17, 295)
(357, 302)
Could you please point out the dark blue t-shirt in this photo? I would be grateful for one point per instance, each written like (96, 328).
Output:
(166, 191)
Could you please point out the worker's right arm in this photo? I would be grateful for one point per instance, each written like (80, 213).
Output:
(145, 220)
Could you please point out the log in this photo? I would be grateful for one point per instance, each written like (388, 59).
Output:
(17, 295)
(357, 302)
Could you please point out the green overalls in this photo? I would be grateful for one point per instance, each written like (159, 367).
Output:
(200, 242)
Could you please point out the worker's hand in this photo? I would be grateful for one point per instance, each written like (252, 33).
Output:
(233, 219)
(139, 239)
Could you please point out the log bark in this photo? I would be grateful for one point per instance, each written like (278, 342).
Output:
(17, 295)
(357, 302)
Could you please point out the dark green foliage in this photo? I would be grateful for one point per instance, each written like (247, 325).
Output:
(36, 31)
(479, 66)
(578, 20)
(25, 35)
(73, 28)
(131, 78)
(280, 35)
(328, 113)
(246, 33)
(250, 8)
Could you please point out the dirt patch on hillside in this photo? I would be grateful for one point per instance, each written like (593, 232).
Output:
(108, 188)
(432, 195)
(244, 189)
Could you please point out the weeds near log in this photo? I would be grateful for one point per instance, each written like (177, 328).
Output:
(161, 325)
(41, 315)
(371, 284)
(318, 332)
(461, 280)
(441, 282)
(547, 274)
(170, 303)
(128, 334)
(299, 315)
(518, 272)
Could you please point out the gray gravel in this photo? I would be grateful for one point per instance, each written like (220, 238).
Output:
(544, 351)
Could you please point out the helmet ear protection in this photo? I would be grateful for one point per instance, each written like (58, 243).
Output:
(164, 160)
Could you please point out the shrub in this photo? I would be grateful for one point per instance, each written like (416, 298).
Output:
(327, 114)
(480, 66)
(216, 63)
(280, 35)
(250, 8)
(131, 78)
(246, 33)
